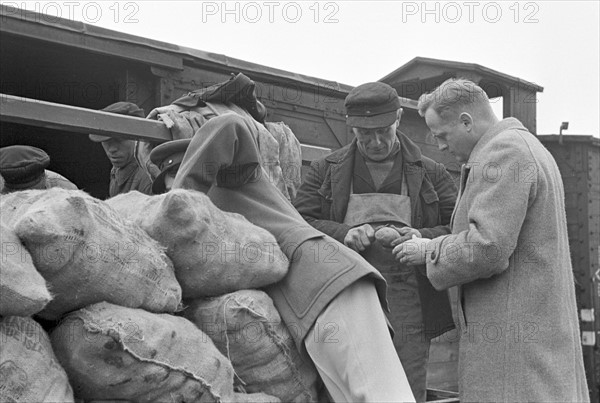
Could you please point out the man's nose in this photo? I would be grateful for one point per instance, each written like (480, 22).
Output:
(442, 147)
(377, 139)
(112, 146)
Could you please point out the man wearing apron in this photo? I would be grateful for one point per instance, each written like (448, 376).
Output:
(381, 180)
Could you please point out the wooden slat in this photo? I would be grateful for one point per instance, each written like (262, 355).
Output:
(311, 153)
(50, 115)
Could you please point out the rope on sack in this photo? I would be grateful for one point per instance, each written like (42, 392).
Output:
(227, 344)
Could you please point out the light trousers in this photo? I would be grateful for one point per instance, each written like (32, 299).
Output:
(351, 347)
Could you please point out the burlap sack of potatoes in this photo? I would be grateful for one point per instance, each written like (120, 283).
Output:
(89, 253)
(23, 291)
(214, 252)
(118, 353)
(29, 370)
(246, 327)
(289, 156)
(12, 205)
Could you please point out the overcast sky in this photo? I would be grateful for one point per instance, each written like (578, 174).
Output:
(554, 44)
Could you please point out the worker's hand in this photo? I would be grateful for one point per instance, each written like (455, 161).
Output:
(164, 109)
(360, 238)
(406, 233)
(412, 252)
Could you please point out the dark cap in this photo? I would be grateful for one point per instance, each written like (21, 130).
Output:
(23, 167)
(167, 156)
(372, 105)
(121, 108)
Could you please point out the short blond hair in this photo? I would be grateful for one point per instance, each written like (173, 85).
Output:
(455, 95)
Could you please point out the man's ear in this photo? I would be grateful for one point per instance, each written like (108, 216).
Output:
(467, 120)
(399, 117)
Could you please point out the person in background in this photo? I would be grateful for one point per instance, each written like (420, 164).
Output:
(24, 168)
(167, 157)
(125, 174)
(508, 254)
(379, 180)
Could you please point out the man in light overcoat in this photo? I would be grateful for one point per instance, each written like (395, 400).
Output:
(508, 254)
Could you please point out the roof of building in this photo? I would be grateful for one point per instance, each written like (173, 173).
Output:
(422, 74)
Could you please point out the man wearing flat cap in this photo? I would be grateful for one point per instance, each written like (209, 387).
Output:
(167, 157)
(125, 174)
(381, 179)
(24, 168)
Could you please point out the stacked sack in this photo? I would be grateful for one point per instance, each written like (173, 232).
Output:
(110, 272)
(63, 250)
(116, 353)
(220, 258)
(246, 327)
(88, 253)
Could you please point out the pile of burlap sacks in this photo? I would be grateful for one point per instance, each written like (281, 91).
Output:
(143, 299)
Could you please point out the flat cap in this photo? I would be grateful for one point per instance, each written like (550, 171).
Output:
(121, 108)
(167, 156)
(372, 105)
(23, 167)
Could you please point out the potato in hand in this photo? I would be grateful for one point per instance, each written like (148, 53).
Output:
(386, 235)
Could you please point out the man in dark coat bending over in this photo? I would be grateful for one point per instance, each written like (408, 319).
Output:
(331, 299)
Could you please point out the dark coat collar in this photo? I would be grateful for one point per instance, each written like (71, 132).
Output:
(342, 167)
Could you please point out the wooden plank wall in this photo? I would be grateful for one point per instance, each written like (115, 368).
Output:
(579, 164)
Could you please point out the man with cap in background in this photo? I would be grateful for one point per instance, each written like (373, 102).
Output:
(381, 179)
(24, 168)
(167, 157)
(125, 174)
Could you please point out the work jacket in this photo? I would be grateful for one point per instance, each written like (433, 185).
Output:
(322, 201)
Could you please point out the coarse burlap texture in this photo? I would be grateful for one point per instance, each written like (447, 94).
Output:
(88, 253)
(246, 327)
(29, 370)
(12, 205)
(214, 252)
(289, 157)
(113, 352)
(23, 291)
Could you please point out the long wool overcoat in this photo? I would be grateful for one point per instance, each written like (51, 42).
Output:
(509, 255)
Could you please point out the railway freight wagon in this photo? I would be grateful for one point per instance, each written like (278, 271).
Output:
(56, 73)
(578, 158)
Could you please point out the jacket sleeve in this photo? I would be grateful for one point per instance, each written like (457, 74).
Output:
(496, 208)
(446, 190)
(314, 206)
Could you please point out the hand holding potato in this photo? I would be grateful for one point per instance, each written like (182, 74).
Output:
(360, 238)
(412, 252)
(406, 233)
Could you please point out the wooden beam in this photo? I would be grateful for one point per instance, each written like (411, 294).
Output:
(311, 153)
(50, 115)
